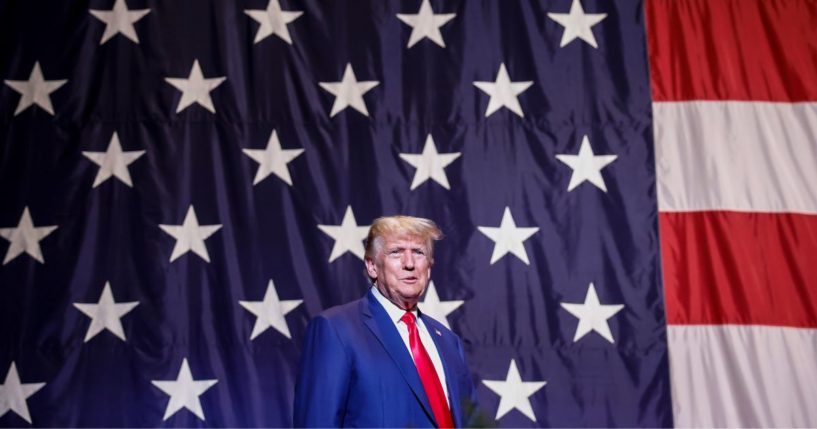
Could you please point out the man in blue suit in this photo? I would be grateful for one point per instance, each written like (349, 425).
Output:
(379, 361)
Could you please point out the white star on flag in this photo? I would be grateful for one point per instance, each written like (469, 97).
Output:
(438, 310)
(113, 162)
(348, 92)
(508, 238)
(273, 20)
(119, 20)
(25, 238)
(593, 315)
(35, 90)
(106, 314)
(196, 88)
(273, 159)
(190, 236)
(270, 312)
(13, 394)
(348, 236)
(430, 164)
(577, 24)
(514, 393)
(425, 23)
(184, 392)
(586, 166)
(503, 92)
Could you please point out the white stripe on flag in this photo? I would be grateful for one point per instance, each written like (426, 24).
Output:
(740, 156)
(743, 376)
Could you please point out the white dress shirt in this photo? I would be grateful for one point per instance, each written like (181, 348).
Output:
(395, 314)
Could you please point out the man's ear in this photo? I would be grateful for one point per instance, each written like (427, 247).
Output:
(371, 268)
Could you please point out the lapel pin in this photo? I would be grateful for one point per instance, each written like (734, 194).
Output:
(438, 332)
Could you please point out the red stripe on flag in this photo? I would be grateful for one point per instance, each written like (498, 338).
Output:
(740, 268)
(732, 50)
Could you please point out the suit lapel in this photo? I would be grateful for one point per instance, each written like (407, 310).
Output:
(449, 356)
(377, 320)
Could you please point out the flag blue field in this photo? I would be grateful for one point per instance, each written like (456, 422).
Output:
(184, 184)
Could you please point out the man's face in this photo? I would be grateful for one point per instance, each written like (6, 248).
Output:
(402, 269)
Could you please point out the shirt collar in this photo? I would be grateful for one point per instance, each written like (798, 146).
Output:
(395, 313)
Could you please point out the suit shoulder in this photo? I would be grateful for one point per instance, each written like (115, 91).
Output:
(336, 324)
(341, 313)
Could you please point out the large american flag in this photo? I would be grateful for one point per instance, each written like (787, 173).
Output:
(627, 191)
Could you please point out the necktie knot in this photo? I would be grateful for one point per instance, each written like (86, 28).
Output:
(408, 319)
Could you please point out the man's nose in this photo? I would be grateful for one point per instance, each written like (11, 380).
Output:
(408, 261)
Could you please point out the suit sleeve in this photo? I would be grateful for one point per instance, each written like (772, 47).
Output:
(323, 380)
(470, 409)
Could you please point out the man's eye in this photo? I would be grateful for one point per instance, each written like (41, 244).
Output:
(419, 252)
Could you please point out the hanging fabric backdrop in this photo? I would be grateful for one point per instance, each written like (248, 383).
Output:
(627, 192)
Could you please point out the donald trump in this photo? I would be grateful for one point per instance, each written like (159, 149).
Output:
(379, 361)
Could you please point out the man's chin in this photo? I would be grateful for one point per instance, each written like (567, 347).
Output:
(411, 300)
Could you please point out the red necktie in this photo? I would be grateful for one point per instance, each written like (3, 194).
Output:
(428, 375)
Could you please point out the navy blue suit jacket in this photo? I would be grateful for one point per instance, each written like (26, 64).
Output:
(357, 372)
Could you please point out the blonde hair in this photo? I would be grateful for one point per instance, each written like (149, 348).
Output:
(422, 228)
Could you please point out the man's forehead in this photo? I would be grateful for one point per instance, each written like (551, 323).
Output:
(404, 240)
